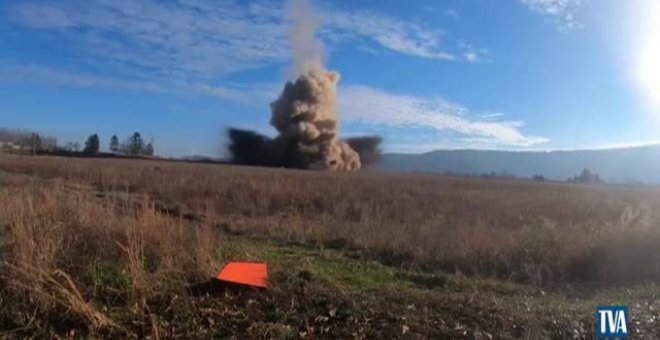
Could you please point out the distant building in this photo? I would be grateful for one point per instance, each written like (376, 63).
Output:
(9, 146)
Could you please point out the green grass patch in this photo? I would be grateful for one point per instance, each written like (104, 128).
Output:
(330, 266)
(103, 274)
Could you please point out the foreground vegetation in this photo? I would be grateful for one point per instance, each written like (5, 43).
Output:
(120, 248)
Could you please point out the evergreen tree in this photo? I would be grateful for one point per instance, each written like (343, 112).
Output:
(92, 145)
(114, 143)
(135, 144)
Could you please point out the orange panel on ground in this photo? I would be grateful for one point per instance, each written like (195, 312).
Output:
(251, 274)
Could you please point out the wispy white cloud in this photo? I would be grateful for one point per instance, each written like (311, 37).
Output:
(491, 115)
(48, 75)
(472, 54)
(185, 47)
(52, 76)
(358, 104)
(563, 11)
(396, 35)
(452, 13)
(372, 106)
(190, 39)
(203, 39)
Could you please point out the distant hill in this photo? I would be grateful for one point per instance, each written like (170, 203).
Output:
(622, 165)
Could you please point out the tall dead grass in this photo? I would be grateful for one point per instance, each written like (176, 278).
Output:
(58, 244)
(540, 233)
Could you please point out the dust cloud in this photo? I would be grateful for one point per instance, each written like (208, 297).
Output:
(305, 114)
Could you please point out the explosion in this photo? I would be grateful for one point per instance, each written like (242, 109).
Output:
(304, 115)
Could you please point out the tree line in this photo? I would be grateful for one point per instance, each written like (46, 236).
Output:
(132, 146)
(25, 141)
(586, 176)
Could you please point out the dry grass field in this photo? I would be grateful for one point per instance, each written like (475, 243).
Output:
(126, 248)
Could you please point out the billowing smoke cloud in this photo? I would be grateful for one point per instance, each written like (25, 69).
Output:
(305, 114)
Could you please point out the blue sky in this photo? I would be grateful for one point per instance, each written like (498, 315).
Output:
(502, 74)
